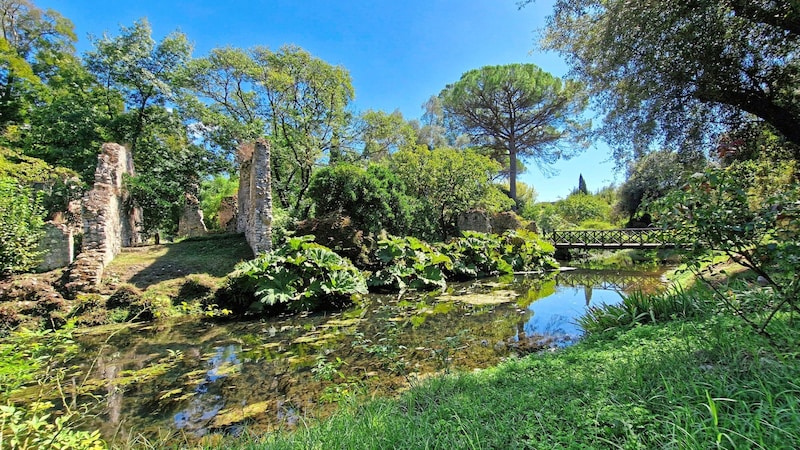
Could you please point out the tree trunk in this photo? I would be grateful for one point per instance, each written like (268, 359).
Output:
(512, 174)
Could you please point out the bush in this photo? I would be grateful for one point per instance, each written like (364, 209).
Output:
(478, 255)
(372, 198)
(408, 263)
(729, 210)
(301, 275)
(21, 222)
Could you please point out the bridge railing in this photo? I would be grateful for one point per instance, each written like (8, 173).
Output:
(626, 237)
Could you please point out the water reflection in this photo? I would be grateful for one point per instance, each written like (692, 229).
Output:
(207, 401)
(195, 378)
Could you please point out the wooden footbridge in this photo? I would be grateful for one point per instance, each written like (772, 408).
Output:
(614, 239)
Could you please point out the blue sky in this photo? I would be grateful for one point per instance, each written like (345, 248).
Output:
(398, 53)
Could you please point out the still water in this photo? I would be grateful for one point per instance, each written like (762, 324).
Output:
(195, 378)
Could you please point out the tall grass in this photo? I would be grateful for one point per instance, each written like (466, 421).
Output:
(641, 308)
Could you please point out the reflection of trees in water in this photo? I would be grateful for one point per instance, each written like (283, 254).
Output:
(207, 401)
(614, 280)
(554, 325)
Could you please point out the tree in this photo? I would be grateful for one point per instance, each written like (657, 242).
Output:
(373, 198)
(143, 72)
(29, 35)
(654, 176)
(582, 185)
(446, 182)
(383, 134)
(296, 100)
(682, 72)
(517, 110)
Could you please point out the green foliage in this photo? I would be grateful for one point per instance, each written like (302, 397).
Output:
(301, 275)
(212, 191)
(639, 308)
(383, 134)
(653, 176)
(374, 198)
(517, 110)
(572, 212)
(21, 222)
(31, 38)
(688, 67)
(477, 255)
(32, 429)
(443, 183)
(728, 210)
(408, 263)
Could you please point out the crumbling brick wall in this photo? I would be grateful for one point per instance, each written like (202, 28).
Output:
(254, 218)
(109, 220)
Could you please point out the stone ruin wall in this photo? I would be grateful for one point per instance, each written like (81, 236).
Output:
(191, 222)
(254, 217)
(498, 223)
(109, 223)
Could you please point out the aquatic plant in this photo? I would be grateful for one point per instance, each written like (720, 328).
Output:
(301, 275)
(408, 263)
(477, 255)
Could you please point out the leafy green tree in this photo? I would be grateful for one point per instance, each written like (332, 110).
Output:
(517, 110)
(221, 97)
(653, 176)
(307, 116)
(296, 100)
(28, 36)
(21, 221)
(446, 182)
(71, 119)
(383, 134)
(671, 71)
(143, 71)
(728, 210)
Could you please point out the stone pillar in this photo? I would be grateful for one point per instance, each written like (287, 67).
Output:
(255, 197)
(109, 221)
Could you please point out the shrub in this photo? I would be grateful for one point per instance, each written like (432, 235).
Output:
(301, 275)
(729, 210)
(408, 263)
(372, 198)
(34, 429)
(478, 255)
(21, 222)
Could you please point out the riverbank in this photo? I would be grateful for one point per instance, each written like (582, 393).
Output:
(706, 382)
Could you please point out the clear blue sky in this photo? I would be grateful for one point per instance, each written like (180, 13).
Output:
(398, 53)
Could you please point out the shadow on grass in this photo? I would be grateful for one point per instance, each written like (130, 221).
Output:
(214, 255)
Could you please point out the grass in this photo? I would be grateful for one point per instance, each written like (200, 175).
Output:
(704, 382)
(212, 256)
